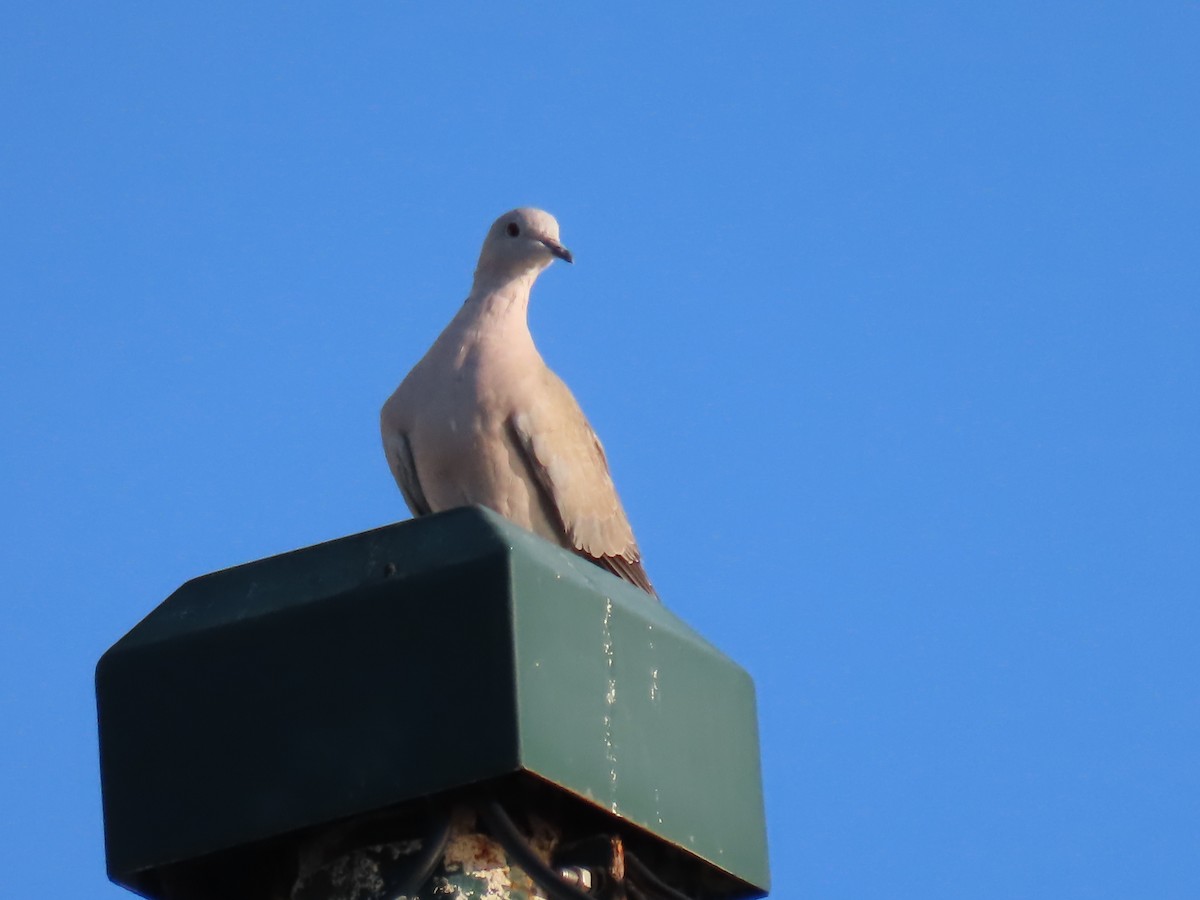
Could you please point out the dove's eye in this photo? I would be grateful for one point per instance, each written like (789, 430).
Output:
(513, 229)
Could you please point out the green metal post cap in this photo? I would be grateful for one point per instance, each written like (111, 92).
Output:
(399, 663)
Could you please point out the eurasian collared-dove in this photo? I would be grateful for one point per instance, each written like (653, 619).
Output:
(482, 420)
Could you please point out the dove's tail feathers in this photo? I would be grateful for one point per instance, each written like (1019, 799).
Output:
(630, 570)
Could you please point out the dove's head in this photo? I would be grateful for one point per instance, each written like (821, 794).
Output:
(520, 243)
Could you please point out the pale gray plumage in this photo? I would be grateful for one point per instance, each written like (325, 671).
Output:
(482, 420)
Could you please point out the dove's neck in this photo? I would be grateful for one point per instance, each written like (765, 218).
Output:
(496, 312)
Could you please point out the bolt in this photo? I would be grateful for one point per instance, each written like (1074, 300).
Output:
(577, 876)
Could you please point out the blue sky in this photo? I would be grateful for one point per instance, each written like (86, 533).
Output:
(887, 315)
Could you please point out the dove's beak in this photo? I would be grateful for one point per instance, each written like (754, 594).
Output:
(558, 250)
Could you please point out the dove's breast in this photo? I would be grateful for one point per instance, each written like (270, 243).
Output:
(457, 422)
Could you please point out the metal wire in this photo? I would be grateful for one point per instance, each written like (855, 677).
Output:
(511, 839)
(639, 869)
(433, 848)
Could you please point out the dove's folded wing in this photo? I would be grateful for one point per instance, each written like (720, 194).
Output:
(404, 469)
(568, 463)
